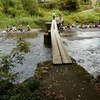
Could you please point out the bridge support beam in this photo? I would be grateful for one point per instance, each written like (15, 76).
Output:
(47, 36)
(47, 39)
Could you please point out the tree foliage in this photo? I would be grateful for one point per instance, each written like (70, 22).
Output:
(9, 91)
(10, 60)
(68, 4)
(49, 5)
(31, 6)
(11, 7)
(85, 1)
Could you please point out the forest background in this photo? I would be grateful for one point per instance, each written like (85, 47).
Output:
(35, 13)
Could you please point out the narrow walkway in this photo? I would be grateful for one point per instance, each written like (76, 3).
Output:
(59, 52)
(93, 6)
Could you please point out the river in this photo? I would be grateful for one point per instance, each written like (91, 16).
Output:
(82, 45)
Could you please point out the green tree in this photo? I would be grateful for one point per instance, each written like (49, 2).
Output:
(11, 6)
(31, 6)
(5, 5)
(68, 4)
(85, 1)
(10, 60)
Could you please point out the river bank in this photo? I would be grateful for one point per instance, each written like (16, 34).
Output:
(66, 82)
(55, 82)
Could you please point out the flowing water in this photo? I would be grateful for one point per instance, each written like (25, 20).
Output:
(39, 52)
(84, 47)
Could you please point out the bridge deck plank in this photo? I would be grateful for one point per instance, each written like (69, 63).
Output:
(59, 45)
(64, 55)
(55, 49)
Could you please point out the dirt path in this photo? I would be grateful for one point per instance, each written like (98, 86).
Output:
(94, 3)
(67, 82)
(93, 6)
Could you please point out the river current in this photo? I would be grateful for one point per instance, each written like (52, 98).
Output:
(83, 46)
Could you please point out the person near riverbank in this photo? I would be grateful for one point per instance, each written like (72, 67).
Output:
(73, 25)
(13, 28)
(77, 20)
(28, 28)
(21, 28)
(96, 24)
(60, 21)
(7, 29)
(53, 15)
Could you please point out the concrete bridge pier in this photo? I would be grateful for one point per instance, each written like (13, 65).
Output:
(47, 35)
(47, 38)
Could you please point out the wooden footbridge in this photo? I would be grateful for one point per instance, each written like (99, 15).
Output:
(59, 52)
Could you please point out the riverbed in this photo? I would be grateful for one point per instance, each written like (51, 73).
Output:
(82, 45)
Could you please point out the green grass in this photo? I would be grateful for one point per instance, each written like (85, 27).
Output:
(35, 22)
(28, 90)
(84, 17)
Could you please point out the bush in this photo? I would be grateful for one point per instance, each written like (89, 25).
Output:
(31, 6)
(40, 21)
(50, 5)
(11, 12)
(33, 84)
(66, 12)
(86, 2)
(68, 4)
(4, 87)
(97, 10)
(41, 13)
(98, 3)
(86, 7)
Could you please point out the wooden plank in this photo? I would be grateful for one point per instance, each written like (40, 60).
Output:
(63, 52)
(55, 50)
(64, 55)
